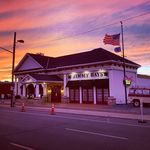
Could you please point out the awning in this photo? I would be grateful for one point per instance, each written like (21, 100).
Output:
(103, 83)
(83, 83)
(73, 84)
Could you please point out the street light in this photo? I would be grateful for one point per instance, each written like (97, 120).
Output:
(13, 65)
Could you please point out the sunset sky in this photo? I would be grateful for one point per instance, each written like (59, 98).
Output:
(61, 27)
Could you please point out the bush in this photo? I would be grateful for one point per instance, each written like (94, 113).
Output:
(17, 96)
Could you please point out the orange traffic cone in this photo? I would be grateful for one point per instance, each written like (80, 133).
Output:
(23, 108)
(52, 109)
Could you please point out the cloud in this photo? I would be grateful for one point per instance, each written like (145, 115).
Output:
(144, 6)
(41, 23)
(140, 31)
(144, 70)
(5, 69)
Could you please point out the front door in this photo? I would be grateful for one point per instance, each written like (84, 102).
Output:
(74, 95)
(56, 94)
(30, 91)
(87, 95)
(102, 91)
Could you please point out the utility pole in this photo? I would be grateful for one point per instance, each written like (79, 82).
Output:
(13, 66)
(12, 73)
(124, 67)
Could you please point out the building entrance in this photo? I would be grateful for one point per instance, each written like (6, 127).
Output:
(87, 89)
(88, 95)
(30, 91)
(56, 94)
(74, 95)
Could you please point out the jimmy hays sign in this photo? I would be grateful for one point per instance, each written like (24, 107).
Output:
(88, 75)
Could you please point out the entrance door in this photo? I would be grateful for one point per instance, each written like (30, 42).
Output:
(56, 94)
(74, 95)
(99, 95)
(88, 95)
(30, 91)
(102, 91)
(102, 95)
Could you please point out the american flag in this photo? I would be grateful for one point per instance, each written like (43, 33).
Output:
(112, 39)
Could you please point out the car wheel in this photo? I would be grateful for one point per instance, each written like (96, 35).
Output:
(136, 103)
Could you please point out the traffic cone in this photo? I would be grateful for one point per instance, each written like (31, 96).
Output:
(23, 108)
(52, 109)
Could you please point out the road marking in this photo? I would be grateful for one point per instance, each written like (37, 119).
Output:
(99, 134)
(22, 146)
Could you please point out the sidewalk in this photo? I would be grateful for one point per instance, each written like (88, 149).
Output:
(117, 111)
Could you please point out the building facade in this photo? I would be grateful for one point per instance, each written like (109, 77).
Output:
(89, 77)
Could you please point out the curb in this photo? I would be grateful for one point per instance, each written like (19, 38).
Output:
(90, 112)
(96, 113)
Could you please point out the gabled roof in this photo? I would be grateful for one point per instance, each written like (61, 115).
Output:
(41, 59)
(42, 77)
(25, 59)
(96, 55)
(93, 56)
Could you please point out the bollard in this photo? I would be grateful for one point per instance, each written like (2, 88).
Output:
(52, 109)
(141, 111)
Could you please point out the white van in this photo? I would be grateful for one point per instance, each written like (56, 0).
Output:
(138, 95)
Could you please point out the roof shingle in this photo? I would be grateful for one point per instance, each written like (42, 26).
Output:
(96, 55)
(93, 56)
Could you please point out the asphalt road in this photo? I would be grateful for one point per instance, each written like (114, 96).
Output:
(38, 130)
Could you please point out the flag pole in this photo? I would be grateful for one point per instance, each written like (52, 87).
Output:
(124, 69)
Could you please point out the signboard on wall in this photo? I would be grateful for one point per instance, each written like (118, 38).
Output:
(102, 74)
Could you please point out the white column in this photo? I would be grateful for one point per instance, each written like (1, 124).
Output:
(111, 83)
(44, 85)
(65, 83)
(16, 87)
(24, 90)
(80, 92)
(67, 91)
(19, 90)
(94, 90)
(37, 90)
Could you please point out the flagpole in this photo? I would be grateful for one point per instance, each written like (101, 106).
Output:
(124, 69)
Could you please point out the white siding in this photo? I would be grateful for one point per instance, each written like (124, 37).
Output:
(116, 86)
(143, 82)
(117, 89)
(29, 64)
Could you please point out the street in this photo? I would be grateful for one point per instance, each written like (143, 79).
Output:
(39, 130)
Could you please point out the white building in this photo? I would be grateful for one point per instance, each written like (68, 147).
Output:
(88, 77)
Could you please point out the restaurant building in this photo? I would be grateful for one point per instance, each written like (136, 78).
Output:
(94, 77)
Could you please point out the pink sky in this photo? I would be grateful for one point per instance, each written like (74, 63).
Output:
(40, 23)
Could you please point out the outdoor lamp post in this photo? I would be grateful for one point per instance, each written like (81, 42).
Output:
(13, 65)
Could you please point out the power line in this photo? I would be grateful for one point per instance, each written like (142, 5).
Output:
(61, 38)
(133, 17)
(6, 50)
(98, 28)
